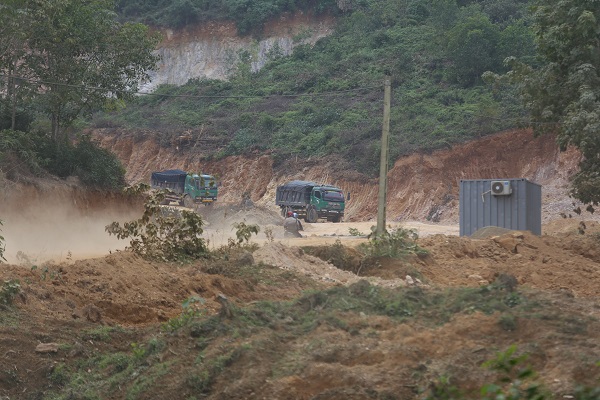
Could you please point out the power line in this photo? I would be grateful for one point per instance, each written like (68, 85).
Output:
(320, 94)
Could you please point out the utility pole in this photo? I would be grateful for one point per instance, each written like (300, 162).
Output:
(383, 166)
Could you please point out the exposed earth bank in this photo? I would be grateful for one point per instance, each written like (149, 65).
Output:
(420, 185)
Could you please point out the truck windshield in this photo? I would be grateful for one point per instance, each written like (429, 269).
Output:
(204, 182)
(331, 195)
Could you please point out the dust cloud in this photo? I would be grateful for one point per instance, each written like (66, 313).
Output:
(61, 231)
(53, 231)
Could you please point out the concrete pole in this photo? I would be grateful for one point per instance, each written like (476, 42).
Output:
(383, 166)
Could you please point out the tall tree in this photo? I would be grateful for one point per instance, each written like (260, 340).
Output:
(563, 95)
(12, 50)
(83, 58)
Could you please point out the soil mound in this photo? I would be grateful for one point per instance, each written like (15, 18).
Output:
(489, 231)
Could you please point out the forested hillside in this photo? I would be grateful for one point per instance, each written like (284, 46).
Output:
(328, 98)
(249, 15)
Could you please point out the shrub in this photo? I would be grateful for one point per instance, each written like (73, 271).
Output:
(10, 289)
(190, 312)
(20, 144)
(97, 167)
(244, 231)
(517, 380)
(395, 244)
(355, 232)
(162, 235)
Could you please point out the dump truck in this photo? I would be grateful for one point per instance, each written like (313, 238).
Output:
(186, 189)
(311, 201)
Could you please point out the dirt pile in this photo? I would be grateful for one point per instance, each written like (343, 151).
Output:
(566, 261)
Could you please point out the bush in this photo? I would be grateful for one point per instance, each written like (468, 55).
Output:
(96, 167)
(244, 231)
(160, 234)
(10, 289)
(21, 145)
(395, 244)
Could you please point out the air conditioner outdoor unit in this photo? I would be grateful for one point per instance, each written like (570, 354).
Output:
(501, 188)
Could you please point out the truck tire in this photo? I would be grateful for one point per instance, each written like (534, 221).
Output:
(336, 219)
(188, 202)
(311, 215)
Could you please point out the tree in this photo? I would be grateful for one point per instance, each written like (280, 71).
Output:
(82, 58)
(12, 52)
(563, 95)
(472, 46)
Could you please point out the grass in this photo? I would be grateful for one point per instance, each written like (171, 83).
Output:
(10, 320)
(277, 335)
(144, 382)
(202, 379)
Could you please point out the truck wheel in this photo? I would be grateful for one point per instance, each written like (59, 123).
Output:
(311, 215)
(188, 202)
(336, 219)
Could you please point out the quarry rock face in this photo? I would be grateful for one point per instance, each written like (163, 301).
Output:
(213, 50)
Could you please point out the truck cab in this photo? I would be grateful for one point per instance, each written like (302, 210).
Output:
(201, 188)
(312, 201)
(185, 188)
(328, 202)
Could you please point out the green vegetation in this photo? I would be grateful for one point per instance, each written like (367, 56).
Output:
(199, 350)
(184, 319)
(562, 94)
(23, 153)
(399, 243)
(160, 235)
(327, 99)
(516, 381)
(60, 61)
(244, 231)
(249, 15)
(9, 290)
(64, 59)
(395, 244)
(355, 232)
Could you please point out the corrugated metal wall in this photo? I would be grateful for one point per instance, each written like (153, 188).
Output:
(521, 210)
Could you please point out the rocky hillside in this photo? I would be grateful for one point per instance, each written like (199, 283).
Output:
(212, 50)
(421, 186)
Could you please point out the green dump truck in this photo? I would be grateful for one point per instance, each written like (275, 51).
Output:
(311, 201)
(185, 188)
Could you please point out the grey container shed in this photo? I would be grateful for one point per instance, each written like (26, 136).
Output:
(508, 203)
